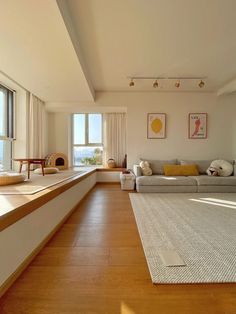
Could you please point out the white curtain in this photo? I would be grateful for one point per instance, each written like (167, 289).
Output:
(37, 128)
(114, 137)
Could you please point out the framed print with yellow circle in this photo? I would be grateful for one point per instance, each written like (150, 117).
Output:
(156, 125)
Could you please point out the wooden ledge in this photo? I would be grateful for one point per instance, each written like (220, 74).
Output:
(23, 205)
(111, 169)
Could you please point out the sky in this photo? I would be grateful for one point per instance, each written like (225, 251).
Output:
(95, 128)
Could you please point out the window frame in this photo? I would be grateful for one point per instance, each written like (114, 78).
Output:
(86, 144)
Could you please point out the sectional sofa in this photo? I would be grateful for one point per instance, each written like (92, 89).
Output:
(158, 182)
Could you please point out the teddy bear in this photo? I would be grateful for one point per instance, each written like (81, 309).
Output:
(146, 169)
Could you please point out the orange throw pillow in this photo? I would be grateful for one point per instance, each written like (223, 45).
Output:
(181, 170)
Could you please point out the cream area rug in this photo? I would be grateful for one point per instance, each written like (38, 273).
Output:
(38, 182)
(199, 228)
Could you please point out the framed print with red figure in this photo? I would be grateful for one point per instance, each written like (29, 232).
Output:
(197, 125)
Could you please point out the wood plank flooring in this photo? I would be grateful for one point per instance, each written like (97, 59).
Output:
(95, 264)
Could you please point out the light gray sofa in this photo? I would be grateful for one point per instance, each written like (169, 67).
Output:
(160, 183)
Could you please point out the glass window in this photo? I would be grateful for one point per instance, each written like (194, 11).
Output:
(95, 128)
(3, 113)
(79, 129)
(6, 127)
(87, 139)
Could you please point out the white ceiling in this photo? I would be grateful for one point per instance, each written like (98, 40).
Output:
(64, 50)
(36, 51)
(155, 38)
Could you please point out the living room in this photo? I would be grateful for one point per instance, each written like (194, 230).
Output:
(77, 244)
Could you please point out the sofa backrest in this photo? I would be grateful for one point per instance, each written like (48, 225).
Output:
(203, 165)
(157, 165)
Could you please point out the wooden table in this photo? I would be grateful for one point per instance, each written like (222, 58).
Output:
(29, 161)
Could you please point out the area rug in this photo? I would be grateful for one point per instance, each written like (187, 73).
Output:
(201, 228)
(38, 183)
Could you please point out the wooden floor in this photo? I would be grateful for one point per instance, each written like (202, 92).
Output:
(95, 264)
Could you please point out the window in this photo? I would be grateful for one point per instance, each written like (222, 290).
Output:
(6, 127)
(87, 139)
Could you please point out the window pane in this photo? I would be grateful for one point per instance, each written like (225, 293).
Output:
(5, 155)
(79, 129)
(3, 113)
(87, 156)
(10, 131)
(95, 128)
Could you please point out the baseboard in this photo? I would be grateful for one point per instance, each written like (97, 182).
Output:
(8, 283)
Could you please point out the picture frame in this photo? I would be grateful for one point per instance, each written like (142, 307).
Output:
(197, 126)
(156, 125)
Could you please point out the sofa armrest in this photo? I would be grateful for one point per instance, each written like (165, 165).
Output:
(234, 165)
(137, 170)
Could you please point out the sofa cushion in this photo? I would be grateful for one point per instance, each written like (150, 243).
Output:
(164, 180)
(181, 170)
(157, 165)
(203, 165)
(212, 180)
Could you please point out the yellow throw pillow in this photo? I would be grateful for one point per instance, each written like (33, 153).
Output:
(181, 170)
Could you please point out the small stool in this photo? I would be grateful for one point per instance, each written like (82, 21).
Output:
(127, 181)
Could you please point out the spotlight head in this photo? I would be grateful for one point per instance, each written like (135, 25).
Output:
(201, 84)
(177, 84)
(155, 84)
(131, 83)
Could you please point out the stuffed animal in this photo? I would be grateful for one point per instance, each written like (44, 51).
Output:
(220, 168)
(146, 170)
(212, 171)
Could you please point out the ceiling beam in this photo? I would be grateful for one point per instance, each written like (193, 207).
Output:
(65, 13)
(228, 88)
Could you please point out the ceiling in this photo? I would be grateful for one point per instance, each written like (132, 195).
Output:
(156, 38)
(66, 50)
(37, 52)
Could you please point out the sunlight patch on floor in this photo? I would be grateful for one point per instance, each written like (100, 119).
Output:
(217, 200)
(125, 309)
(212, 203)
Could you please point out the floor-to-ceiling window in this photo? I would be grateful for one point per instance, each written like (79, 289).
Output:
(6, 127)
(87, 139)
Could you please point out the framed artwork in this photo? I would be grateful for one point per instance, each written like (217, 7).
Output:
(197, 125)
(156, 125)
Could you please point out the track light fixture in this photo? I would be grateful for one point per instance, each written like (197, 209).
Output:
(155, 84)
(201, 84)
(131, 83)
(177, 80)
(177, 84)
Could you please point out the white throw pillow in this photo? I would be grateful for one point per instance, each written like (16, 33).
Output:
(222, 167)
(146, 170)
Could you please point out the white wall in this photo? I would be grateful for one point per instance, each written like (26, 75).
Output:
(19, 240)
(221, 123)
(59, 134)
(108, 176)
